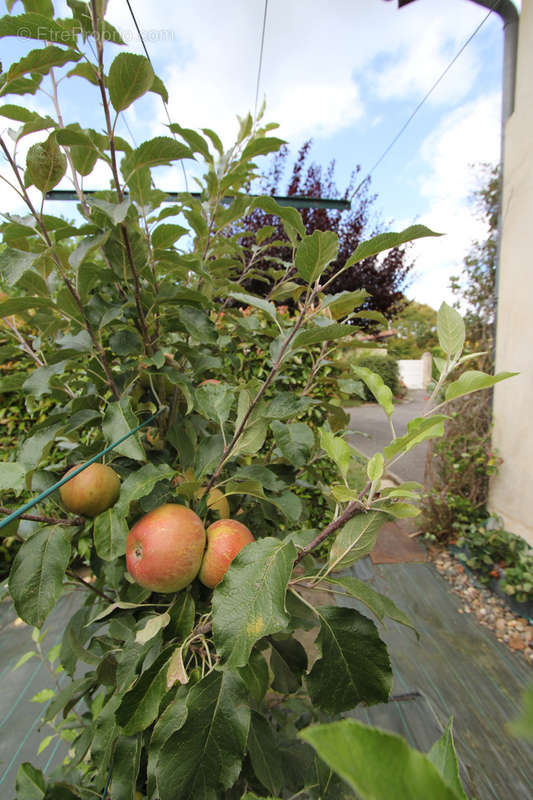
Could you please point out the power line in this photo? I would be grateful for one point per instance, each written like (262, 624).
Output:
(137, 28)
(260, 65)
(424, 99)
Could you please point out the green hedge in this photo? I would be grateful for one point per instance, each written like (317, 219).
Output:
(387, 368)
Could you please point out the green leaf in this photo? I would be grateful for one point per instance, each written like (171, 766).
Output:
(354, 666)
(85, 70)
(288, 662)
(249, 603)
(130, 76)
(42, 696)
(258, 302)
(17, 113)
(126, 342)
(115, 211)
(38, 382)
(337, 449)
(473, 380)
(197, 324)
(13, 265)
(126, 762)
(451, 330)
(12, 477)
(418, 430)
(385, 241)
(374, 468)
(171, 720)
(314, 253)
(45, 165)
(152, 626)
(375, 383)
(119, 419)
(211, 743)
(215, 401)
(344, 303)
(37, 446)
(36, 577)
(265, 754)
(287, 404)
(379, 604)
(36, 26)
(377, 765)
(443, 756)
(322, 333)
(110, 534)
(356, 539)
(44, 744)
(256, 676)
(41, 61)
(165, 235)
(153, 153)
(261, 146)
(140, 483)
(140, 705)
(295, 440)
(29, 783)
(289, 215)
(24, 658)
(400, 510)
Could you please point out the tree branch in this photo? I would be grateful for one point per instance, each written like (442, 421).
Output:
(47, 520)
(351, 510)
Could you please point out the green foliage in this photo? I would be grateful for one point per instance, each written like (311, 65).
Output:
(497, 555)
(380, 765)
(461, 465)
(476, 286)
(387, 369)
(416, 331)
(139, 307)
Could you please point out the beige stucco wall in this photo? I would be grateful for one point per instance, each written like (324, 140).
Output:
(512, 490)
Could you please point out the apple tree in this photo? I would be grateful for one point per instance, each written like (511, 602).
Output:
(138, 308)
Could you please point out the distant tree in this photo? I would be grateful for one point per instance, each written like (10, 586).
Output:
(416, 331)
(384, 278)
(477, 284)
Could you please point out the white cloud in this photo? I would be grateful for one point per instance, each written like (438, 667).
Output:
(466, 138)
(315, 57)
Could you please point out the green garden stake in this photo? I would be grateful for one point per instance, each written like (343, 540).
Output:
(43, 495)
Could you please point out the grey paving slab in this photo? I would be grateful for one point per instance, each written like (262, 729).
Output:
(20, 718)
(458, 668)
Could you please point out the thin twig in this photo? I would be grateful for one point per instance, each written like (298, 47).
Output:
(88, 585)
(78, 521)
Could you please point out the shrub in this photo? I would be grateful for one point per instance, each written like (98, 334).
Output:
(387, 368)
(459, 468)
(497, 555)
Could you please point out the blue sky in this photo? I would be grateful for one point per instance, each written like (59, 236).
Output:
(347, 75)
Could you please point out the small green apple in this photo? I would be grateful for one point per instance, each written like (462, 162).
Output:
(92, 491)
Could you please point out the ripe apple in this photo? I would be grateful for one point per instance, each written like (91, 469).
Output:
(164, 548)
(92, 491)
(225, 538)
(217, 502)
(214, 381)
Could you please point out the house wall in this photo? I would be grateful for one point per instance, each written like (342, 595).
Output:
(510, 494)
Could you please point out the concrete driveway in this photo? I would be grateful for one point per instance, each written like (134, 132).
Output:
(371, 433)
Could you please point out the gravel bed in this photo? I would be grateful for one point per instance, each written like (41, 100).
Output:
(489, 609)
